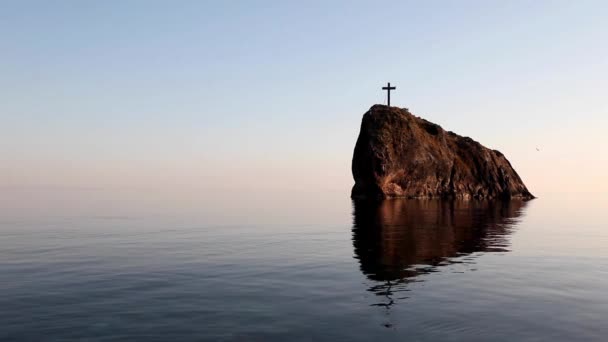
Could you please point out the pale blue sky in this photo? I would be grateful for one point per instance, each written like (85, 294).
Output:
(257, 94)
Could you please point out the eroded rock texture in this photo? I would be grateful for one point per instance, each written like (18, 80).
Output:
(401, 155)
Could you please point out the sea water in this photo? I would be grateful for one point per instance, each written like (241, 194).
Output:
(101, 265)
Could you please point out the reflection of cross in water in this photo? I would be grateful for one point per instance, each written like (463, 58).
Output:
(387, 293)
(386, 290)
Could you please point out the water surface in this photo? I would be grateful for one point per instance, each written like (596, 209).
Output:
(119, 268)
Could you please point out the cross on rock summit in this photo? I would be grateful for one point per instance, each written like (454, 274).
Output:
(388, 89)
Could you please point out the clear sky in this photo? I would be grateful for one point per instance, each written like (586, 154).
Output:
(242, 96)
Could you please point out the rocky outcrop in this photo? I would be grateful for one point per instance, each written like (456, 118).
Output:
(401, 155)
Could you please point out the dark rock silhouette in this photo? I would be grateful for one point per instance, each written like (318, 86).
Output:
(401, 155)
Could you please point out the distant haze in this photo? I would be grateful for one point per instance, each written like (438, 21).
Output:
(244, 97)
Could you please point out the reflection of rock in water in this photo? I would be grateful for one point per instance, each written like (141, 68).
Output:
(393, 239)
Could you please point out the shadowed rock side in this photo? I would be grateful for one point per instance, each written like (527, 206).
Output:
(400, 155)
(393, 239)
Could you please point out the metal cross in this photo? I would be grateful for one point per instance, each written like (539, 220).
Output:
(388, 89)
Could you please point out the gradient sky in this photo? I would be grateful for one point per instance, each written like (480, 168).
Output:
(244, 96)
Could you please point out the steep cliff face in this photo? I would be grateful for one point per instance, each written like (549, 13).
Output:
(400, 155)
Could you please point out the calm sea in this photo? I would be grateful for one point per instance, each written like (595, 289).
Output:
(89, 265)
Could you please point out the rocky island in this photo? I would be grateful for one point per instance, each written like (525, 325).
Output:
(398, 154)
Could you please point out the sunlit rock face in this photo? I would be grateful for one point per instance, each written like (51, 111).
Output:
(398, 154)
(398, 239)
